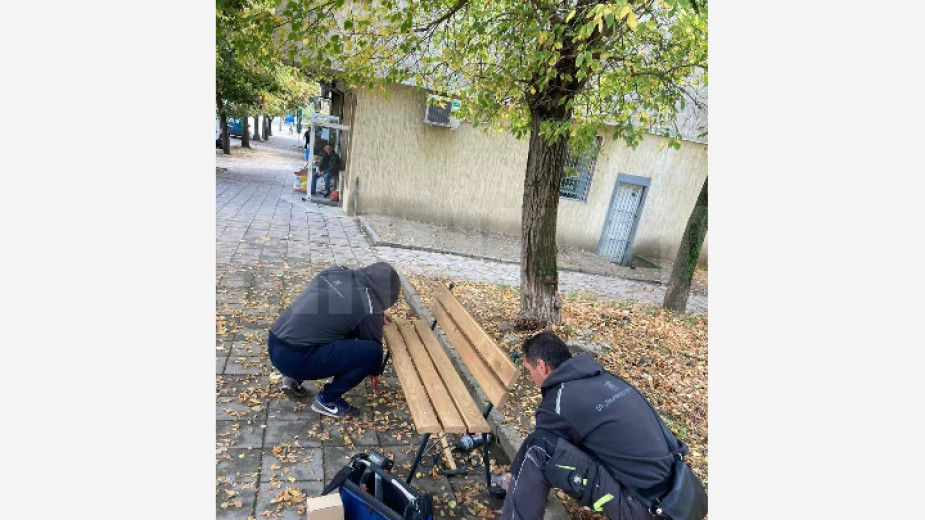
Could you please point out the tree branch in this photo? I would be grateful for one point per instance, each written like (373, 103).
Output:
(446, 16)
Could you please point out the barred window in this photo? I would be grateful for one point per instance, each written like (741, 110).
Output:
(579, 170)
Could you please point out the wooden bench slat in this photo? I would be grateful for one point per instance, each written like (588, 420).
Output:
(486, 378)
(425, 420)
(439, 398)
(494, 357)
(467, 408)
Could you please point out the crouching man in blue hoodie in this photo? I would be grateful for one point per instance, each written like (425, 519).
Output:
(334, 329)
(595, 436)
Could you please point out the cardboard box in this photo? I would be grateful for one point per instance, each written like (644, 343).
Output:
(328, 507)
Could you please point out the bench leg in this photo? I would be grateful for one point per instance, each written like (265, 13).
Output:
(417, 458)
(485, 452)
(487, 466)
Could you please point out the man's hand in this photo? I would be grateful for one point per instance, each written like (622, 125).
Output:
(385, 319)
(375, 381)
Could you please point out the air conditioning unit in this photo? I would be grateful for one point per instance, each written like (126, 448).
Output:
(439, 111)
(324, 118)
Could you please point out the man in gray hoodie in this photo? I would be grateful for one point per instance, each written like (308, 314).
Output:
(334, 329)
(588, 417)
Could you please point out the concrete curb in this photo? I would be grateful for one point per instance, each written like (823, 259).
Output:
(377, 242)
(370, 232)
(508, 437)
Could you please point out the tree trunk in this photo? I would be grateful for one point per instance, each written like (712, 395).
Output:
(245, 133)
(223, 124)
(269, 127)
(539, 274)
(256, 128)
(679, 285)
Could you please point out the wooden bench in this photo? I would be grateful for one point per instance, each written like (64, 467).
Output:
(437, 397)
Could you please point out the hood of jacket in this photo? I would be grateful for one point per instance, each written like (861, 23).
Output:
(382, 279)
(579, 366)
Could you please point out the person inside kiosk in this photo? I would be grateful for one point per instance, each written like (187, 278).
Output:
(329, 168)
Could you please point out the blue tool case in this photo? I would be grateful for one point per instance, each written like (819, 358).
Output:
(369, 492)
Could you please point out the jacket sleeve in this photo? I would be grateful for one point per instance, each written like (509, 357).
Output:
(548, 419)
(370, 328)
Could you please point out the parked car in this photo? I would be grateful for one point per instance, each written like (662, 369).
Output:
(235, 127)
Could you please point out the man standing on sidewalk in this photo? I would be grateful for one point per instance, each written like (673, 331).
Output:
(334, 329)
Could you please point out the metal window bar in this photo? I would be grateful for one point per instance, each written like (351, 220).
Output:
(618, 227)
(576, 187)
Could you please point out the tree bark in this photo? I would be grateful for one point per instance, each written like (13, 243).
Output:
(245, 133)
(679, 285)
(223, 123)
(539, 273)
(269, 127)
(257, 128)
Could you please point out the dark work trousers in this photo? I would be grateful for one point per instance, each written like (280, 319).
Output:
(348, 361)
(526, 494)
(314, 183)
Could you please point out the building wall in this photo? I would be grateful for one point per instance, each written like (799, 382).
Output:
(471, 179)
(409, 169)
(676, 177)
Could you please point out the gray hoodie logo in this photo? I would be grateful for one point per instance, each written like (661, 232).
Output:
(607, 402)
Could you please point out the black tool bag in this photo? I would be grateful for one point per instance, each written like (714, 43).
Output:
(686, 500)
(370, 492)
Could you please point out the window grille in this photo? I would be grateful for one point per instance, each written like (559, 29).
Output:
(579, 170)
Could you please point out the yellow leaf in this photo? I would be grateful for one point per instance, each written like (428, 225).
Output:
(631, 21)
(570, 15)
(542, 37)
(625, 10)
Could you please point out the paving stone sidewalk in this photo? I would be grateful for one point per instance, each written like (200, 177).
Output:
(269, 244)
